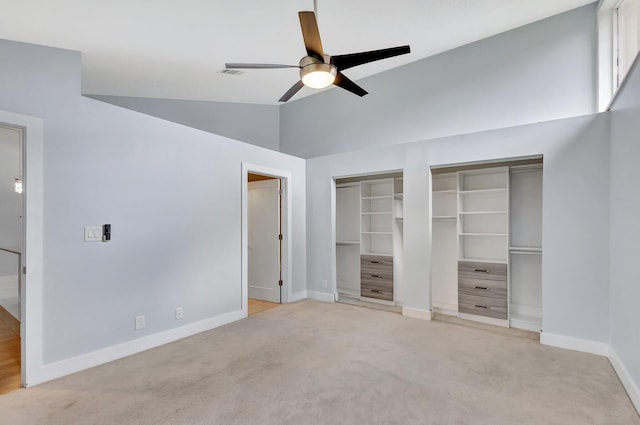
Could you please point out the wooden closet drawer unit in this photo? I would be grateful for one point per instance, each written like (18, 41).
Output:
(376, 290)
(376, 262)
(482, 288)
(485, 271)
(482, 306)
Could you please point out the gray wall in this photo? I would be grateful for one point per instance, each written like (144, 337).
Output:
(171, 193)
(255, 124)
(10, 201)
(539, 72)
(575, 213)
(625, 228)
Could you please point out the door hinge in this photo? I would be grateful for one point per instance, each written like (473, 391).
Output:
(280, 282)
(280, 236)
(24, 270)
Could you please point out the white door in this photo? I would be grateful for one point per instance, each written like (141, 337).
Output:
(264, 244)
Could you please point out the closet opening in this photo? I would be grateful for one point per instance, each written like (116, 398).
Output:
(368, 240)
(486, 242)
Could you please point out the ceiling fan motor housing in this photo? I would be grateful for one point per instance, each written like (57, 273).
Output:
(316, 73)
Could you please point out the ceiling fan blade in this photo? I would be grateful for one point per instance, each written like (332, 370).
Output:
(355, 59)
(257, 66)
(293, 90)
(311, 34)
(345, 83)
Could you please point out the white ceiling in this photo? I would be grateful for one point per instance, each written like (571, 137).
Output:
(175, 49)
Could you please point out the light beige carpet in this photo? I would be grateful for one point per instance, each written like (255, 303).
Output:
(321, 363)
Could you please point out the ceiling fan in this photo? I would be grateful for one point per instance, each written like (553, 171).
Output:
(319, 70)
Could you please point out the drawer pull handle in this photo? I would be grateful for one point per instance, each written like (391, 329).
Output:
(375, 275)
(481, 270)
(481, 306)
(377, 291)
(482, 287)
(375, 262)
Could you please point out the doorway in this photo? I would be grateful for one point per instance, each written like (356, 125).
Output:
(11, 248)
(266, 243)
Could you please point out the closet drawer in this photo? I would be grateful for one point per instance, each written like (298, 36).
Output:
(483, 288)
(377, 262)
(485, 271)
(482, 306)
(381, 291)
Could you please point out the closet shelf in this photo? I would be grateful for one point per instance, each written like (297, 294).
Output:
(444, 218)
(445, 191)
(484, 260)
(364, 198)
(377, 213)
(483, 234)
(377, 233)
(481, 212)
(398, 195)
(348, 243)
(525, 250)
(468, 192)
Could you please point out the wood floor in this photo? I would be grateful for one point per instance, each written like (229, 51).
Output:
(9, 352)
(258, 306)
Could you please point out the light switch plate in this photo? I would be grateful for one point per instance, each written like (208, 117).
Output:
(93, 233)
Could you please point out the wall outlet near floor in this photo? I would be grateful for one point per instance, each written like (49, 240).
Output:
(325, 284)
(179, 313)
(140, 324)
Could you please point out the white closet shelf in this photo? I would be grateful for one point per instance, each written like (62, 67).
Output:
(525, 250)
(445, 191)
(379, 254)
(377, 197)
(481, 212)
(467, 192)
(484, 260)
(444, 218)
(377, 233)
(399, 195)
(348, 243)
(483, 234)
(377, 213)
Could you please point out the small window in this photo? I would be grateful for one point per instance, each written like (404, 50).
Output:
(618, 45)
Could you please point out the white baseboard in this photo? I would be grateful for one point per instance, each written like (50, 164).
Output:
(321, 296)
(625, 378)
(85, 361)
(486, 320)
(298, 296)
(417, 313)
(577, 344)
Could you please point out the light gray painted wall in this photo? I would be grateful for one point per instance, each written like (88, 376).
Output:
(575, 212)
(10, 201)
(625, 227)
(171, 193)
(255, 124)
(539, 72)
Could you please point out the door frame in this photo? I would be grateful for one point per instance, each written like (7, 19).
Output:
(31, 305)
(287, 225)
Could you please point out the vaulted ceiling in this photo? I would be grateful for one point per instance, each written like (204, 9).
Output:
(176, 49)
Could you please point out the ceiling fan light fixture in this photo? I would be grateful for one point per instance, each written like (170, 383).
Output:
(318, 75)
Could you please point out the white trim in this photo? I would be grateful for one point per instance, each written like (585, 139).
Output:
(287, 227)
(298, 296)
(445, 308)
(32, 255)
(417, 313)
(115, 352)
(623, 374)
(320, 296)
(577, 344)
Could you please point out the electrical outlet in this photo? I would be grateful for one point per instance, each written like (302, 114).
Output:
(140, 324)
(179, 313)
(325, 284)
